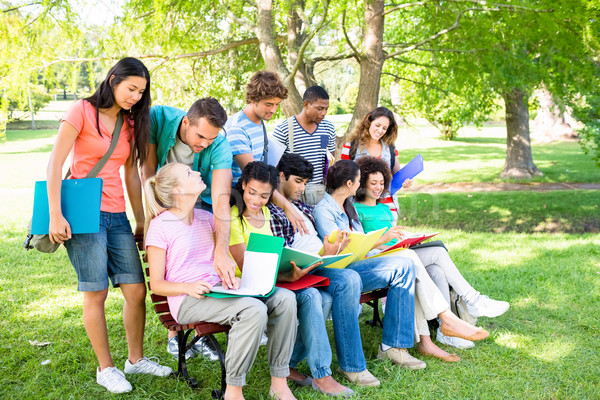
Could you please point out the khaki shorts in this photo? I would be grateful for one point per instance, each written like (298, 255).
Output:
(313, 194)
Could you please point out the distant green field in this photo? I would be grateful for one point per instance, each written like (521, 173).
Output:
(478, 155)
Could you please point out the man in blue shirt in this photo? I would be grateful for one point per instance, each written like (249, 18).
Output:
(193, 139)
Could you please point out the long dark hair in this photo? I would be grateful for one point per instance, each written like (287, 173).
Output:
(337, 176)
(256, 170)
(139, 114)
(361, 133)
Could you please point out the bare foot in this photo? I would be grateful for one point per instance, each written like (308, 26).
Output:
(456, 324)
(427, 347)
(280, 389)
(233, 393)
(329, 385)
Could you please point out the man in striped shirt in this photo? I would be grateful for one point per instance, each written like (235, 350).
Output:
(310, 135)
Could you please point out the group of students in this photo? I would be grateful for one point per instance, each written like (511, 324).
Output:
(208, 187)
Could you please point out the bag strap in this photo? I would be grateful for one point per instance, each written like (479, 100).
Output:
(265, 154)
(353, 149)
(115, 138)
(113, 144)
(290, 122)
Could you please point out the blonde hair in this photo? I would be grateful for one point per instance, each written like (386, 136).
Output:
(159, 192)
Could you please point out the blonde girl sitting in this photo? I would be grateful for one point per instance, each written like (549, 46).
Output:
(180, 245)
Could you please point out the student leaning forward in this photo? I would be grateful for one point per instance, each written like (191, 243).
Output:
(87, 130)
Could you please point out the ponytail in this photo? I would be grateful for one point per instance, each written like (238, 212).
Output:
(159, 193)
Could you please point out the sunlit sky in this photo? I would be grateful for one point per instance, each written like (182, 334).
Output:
(98, 12)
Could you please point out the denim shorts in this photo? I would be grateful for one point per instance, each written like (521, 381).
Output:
(110, 253)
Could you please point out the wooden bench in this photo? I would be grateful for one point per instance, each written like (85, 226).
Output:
(372, 299)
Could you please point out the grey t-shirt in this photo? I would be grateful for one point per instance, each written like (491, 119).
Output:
(181, 153)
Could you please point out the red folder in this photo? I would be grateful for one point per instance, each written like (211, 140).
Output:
(411, 241)
(305, 282)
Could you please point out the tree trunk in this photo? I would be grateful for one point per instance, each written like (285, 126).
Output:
(371, 63)
(272, 56)
(519, 161)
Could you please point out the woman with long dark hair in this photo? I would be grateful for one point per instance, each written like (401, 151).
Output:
(249, 214)
(375, 136)
(87, 131)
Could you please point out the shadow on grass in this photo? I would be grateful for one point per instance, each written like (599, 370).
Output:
(26, 125)
(575, 211)
(480, 140)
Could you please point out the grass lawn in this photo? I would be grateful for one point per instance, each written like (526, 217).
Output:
(545, 347)
(534, 250)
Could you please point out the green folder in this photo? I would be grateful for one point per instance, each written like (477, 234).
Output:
(261, 264)
(304, 259)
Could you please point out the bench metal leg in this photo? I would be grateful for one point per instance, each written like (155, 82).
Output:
(218, 394)
(376, 321)
(182, 370)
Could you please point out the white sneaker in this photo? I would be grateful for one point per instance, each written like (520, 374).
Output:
(173, 348)
(486, 307)
(454, 341)
(146, 366)
(113, 379)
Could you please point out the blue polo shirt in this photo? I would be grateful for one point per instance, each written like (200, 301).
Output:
(244, 136)
(164, 125)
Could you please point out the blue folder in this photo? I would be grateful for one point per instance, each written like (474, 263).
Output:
(409, 171)
(80, 204)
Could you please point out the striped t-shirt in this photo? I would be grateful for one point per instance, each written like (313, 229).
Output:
(190, 250)
(312, 146)
(244, 136)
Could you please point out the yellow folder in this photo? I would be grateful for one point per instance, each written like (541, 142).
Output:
(360, 244)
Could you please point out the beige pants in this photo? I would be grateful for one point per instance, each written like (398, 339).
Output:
(313, 194)
(429, 301)
(248, 317)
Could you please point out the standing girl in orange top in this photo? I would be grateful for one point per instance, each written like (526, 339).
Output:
(86, 131)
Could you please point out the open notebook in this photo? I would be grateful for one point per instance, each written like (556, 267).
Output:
(259, 272)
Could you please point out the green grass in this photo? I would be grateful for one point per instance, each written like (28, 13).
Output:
(544, 347)
(39, 124)
(479, 155)
(527, 248)
(574, 211)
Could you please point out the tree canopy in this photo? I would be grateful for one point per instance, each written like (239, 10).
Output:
(448, 61)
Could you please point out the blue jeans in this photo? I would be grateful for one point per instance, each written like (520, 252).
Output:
(345, 287)
(399, 274)
(312, 342)
(110, 253)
